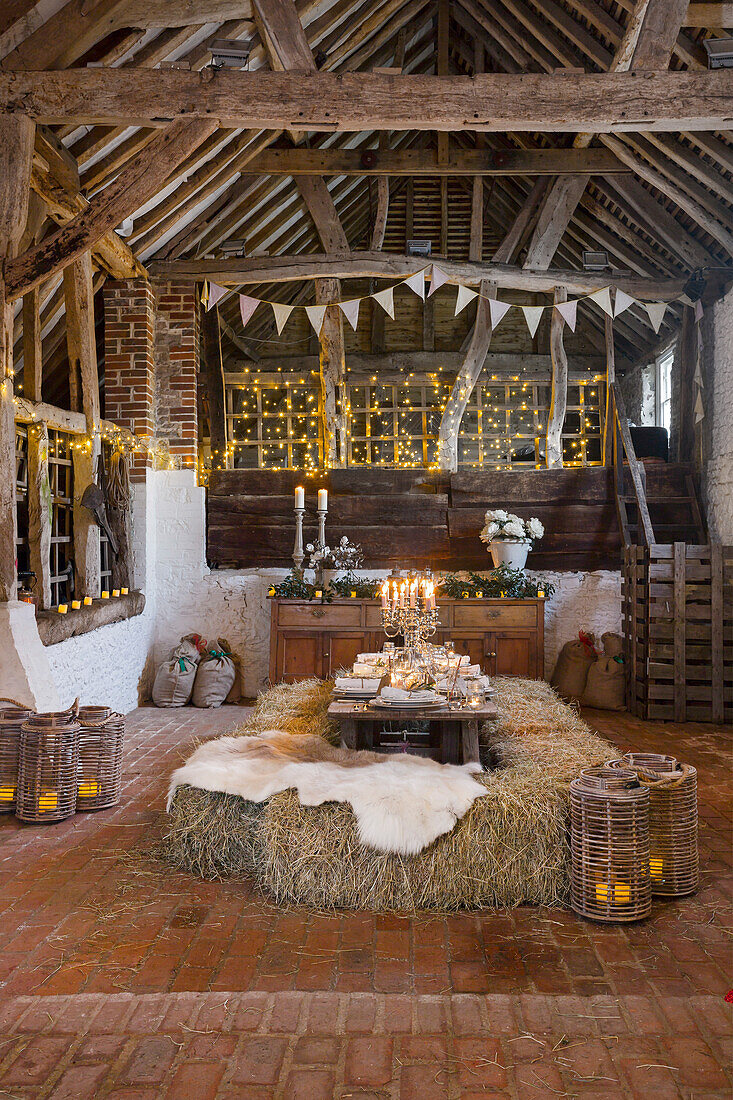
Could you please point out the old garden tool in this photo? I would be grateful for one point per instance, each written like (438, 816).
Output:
(93, 499)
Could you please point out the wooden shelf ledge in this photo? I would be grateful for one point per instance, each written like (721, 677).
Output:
(54, 628)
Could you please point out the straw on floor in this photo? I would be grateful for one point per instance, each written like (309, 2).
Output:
(510, 848)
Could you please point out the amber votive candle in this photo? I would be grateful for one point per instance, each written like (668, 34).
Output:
(62, 608)
(105, 595)
(75, 605)
(87, 601)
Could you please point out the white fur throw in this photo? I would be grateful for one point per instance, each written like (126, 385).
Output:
(402, 803)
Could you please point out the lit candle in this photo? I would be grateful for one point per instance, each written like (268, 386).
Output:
(299, 497)
(385, 594)
(105, 595)
(75, 605)
(115, 592)
(87, 601)
(62, 609)
(319, 593)
(271, 590)
(353, 595)
(323, 500)
(540, 593)
(124, 591)
(618, 893)
(413, 594)
(479, 595)
(48, 800)
(655, 866)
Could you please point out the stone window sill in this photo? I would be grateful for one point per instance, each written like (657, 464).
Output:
(54, 628)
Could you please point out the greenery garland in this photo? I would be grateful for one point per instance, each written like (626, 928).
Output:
(503, 581)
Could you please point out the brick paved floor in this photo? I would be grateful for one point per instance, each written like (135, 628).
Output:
(122, 978)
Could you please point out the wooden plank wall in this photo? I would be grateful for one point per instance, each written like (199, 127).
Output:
(678, 624)
(414, 518)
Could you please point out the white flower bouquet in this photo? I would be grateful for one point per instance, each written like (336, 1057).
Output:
(504, 526)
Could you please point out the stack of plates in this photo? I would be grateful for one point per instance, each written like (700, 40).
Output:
(418, 700)
(357, 688)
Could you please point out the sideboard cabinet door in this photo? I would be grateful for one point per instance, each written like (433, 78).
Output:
(299, 656)
(513, 653)
(340, 650)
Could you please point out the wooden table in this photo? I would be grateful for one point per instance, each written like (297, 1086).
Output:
(452, 736)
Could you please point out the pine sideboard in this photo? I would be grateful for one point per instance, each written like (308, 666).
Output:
(309, 638)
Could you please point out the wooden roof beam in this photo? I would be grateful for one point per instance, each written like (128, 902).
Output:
(563, 102)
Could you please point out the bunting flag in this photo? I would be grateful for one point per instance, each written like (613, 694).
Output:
(465, 295)
(533, 316)
(656, 311)
(698, 310)
(216, 293)
(350, 311)
(697, 378)
(282, 313)
(416, 282)
(386, 300)
(623, 301)
(247, 306)
(602, 298)
(437, 279)
(315, 316)
(497, 310)
(699, 408)
(569, 312)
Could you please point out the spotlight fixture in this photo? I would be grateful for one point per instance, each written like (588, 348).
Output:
(720, 52)
(595, 261)
(229, 53)
(419, 248)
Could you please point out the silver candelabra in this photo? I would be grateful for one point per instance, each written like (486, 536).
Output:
(408, 608)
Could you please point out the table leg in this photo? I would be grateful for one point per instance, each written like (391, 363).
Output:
(469, 740)
(450, 742)
(348, 733)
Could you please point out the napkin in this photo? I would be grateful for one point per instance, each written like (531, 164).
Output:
(357, 684)
(399, 695)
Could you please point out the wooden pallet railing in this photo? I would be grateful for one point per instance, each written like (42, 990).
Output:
(627, 466)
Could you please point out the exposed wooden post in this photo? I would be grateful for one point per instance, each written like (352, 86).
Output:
(333, 375)
(211, 332)
(40, 507)
(610, 417)
(559, 397)
(685, 361)
(428, 324)
(17, 134)
(81, 342)
(465, 382)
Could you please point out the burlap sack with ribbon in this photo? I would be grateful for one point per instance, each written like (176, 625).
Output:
(613, 644)
(174, 680)
(605, 687)
(571, 670)
(215, 676)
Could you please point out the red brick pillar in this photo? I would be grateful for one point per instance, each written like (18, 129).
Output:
(129, 371)
(176, 367)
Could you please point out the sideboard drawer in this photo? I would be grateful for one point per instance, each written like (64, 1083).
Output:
(493, 615)
(294, 614)
(374, 615)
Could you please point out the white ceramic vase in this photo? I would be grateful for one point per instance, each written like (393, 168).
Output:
(511, 552)
(330, 575)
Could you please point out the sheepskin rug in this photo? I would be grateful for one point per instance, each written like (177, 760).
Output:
(509, 848)
(401, 803)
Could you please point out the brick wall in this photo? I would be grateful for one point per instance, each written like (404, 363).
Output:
(129, 375)
(176, 341)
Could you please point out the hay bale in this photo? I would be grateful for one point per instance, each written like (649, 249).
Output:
(509, 849)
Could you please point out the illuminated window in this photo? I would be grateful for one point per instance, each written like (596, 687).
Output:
(664, 388)
(275, 425)
(61, 478)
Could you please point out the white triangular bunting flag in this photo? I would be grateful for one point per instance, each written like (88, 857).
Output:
(698, 310)
(350, 311)
(497, 310)
(697, 377)
(437, 278)
(569, 312)
(247, 306)
(416, 282)
(215, 294)
(656, 311)
(465, 295)
(386, 300)
(533, 316)
(281, 315)
(699, 408)
(315, 316)
(623, 301)
(603, 298)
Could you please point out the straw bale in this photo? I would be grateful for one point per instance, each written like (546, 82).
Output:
(510, 848)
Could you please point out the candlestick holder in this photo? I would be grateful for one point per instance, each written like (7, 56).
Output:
(298, 555)
(322, 513)
(410, 610)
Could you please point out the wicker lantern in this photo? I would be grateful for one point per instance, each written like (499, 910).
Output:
(100, 758)
(609, 816)
(49, 762)
(11, 721)
(673, 856)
